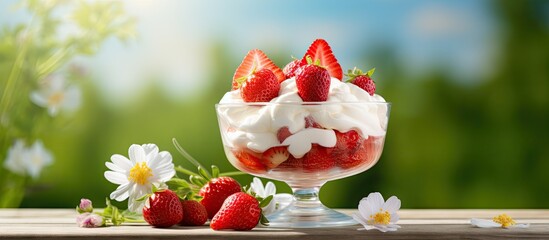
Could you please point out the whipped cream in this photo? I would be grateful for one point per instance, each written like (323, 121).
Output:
(256, 126)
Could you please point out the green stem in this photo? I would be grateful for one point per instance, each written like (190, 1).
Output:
(126, 220)
(236, 173)
(185, 171)
(186, 154)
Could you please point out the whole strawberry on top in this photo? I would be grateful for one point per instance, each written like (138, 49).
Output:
(363, 80)
(163, 209)
(313, 82)
(257, 77)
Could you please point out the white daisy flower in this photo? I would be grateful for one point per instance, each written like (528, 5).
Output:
(28, 161)
(136, 176)
(375, 213)
(279, 201)
(500, 221)
(55, 95)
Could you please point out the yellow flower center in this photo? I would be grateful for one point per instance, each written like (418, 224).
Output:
(140, 173)
(380, 218)
(504, 220)
(56, 98)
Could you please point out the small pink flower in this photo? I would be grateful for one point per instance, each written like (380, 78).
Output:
(85, 206)
(89, 220)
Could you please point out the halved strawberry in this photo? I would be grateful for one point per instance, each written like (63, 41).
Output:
(321, 51)
(254, 61)
(275, 156)
(250, 161)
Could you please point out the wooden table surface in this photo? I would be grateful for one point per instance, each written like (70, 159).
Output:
(416, 224)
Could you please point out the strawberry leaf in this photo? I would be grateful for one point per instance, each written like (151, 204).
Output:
(263, 220)
(265, 202)
(176, 183)
(371, 72)
(205, 174)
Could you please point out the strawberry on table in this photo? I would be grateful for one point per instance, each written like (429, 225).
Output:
(216, 191)
(362, 80)
(321, 51)
(240, 211)
(163, 209)
(194, 213)
(254, 61)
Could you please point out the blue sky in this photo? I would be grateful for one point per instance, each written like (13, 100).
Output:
(173, 36)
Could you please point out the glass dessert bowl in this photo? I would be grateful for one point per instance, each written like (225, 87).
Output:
(304, 144)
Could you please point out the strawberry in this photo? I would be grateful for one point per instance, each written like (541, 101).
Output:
(313, 83)
(311, 123)
(194, 213)
(293, 68)
(240, 211)
(283, 133)
(366, 153)
(163, 209)
(216, 191)
(318, 159)
(250, 161)
(321, 51)
(275, 156)
(292, 163)
(261, 86)
(254, 61)
(348, 141)
(362, 80)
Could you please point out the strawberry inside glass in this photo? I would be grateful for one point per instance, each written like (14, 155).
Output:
(316, 128)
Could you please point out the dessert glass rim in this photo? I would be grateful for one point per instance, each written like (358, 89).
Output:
(300, 103)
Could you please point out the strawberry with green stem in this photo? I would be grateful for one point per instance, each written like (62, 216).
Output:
(211, 188)
(362, 80)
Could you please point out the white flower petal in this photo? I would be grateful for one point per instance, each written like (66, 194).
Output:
(376, 201)
(394, 218)
(114, 167)
(257, 187)
(150, 149)
(483, 223)
(39, 99)
(283, 200)
(364, 208)
(137, 154)
(392, 204)
(121, 193)
(360, 219)
(116, 177)
(164, 175)
(270, 189)
(122, 162)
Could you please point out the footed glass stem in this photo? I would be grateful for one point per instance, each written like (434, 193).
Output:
(306, 211)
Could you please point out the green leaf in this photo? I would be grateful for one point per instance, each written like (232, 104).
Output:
(144, 197)
(263, 220)
(176, 183)
(265, 202)
(371, 72)
(182, 192)
(205, 174)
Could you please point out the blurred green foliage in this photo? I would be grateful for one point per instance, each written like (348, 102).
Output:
(449, 144)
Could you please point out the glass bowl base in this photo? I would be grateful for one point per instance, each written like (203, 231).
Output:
(309, 217)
